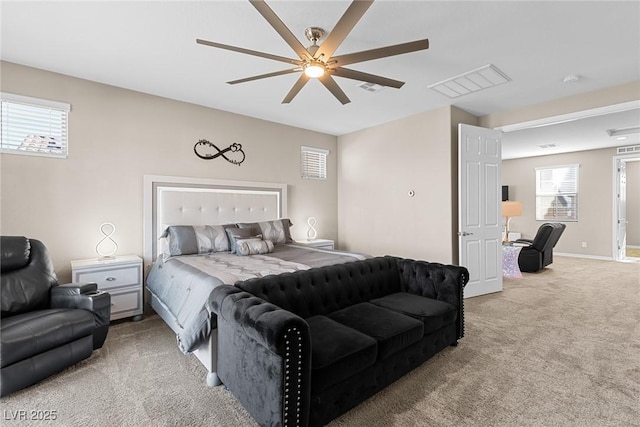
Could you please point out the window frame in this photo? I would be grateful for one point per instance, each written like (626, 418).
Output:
(569, 199)
(306, 171)
(19, 107)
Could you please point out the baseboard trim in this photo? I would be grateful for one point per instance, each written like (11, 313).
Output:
(633, 246)
(604, 258)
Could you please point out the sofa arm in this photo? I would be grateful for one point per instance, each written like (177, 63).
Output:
(86, 296)
(437, 281)
(264, 356)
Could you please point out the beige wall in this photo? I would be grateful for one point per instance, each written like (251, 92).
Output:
(117, 136)
(377, 167)
(595, 199)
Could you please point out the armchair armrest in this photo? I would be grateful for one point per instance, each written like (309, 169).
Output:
(528, 241)
(437, 281)
(264, 356)
(73, 295)
(86, 296)
(74, 288)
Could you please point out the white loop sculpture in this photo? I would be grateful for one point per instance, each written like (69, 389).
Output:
(311, 233)
(106, 243)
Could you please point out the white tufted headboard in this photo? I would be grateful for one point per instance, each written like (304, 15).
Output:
(170, 200)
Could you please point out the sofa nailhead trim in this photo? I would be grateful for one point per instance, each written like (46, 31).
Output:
(289, 337)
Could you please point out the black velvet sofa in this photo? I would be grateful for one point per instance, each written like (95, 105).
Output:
(302, 348)
(45, 327)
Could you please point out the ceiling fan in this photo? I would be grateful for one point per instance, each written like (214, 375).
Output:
(317, 61)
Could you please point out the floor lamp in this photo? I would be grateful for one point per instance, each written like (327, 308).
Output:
(509, 210)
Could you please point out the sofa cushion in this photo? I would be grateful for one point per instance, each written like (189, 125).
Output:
(433, 313)
(337, 352)
(28, 334)
(393, 331)
(324, 290)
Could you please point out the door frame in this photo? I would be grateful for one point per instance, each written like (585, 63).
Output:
(621, 158)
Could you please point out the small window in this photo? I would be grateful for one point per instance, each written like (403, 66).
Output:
(557, 193)
(34, 126)
(313, 162)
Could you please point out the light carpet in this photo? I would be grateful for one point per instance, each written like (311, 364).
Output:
(557, 348)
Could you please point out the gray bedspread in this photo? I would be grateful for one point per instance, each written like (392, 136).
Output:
(183, 284)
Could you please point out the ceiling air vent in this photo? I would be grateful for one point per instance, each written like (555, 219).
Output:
(370, 87)
(471, 81)
(627, 150)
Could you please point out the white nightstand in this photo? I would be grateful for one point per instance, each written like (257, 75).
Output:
(317, 243)
(120, 276)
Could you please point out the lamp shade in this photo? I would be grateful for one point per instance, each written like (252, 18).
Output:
(511, 208)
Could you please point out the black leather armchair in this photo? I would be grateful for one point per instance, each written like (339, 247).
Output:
(45, 327)
(539, 252)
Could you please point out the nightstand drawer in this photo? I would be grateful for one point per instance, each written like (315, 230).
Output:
(125, 304)
(107, 278)
(121, 276)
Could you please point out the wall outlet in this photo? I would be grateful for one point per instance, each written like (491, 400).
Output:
(584, 244)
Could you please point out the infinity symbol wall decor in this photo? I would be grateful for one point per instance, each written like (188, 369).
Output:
(233, 148)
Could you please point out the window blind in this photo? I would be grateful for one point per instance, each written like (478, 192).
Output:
(313, 162)
(557, 193)
(34, 126)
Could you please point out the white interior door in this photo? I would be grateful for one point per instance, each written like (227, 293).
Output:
(479, 213)
(621, 238)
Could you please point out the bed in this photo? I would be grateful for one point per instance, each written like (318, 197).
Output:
(186, 222)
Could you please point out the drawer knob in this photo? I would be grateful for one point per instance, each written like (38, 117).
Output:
(110, 279)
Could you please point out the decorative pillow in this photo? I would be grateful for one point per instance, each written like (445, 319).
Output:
(253, 246)
(277, 230)
(236, 234)
(196, 239)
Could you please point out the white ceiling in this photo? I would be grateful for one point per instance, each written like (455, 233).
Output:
(149, 46)
(575, 134)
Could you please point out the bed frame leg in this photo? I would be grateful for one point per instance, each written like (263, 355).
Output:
(213, 380)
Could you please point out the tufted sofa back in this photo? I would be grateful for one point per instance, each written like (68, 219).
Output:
(324, 290)
(27, 275)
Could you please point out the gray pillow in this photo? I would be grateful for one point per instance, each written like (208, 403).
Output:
(197, 239)
(235, 234)
(277, 230)
(253, 246)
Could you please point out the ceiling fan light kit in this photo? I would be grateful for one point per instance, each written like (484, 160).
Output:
(314, 69)
(317, 61)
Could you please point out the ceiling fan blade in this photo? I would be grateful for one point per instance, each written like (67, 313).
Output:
(333, 87)
(382, 52)
(296, 88)
(344, 26)
(249, 52)
(264, 76)
(366, 77)
(277, 24)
